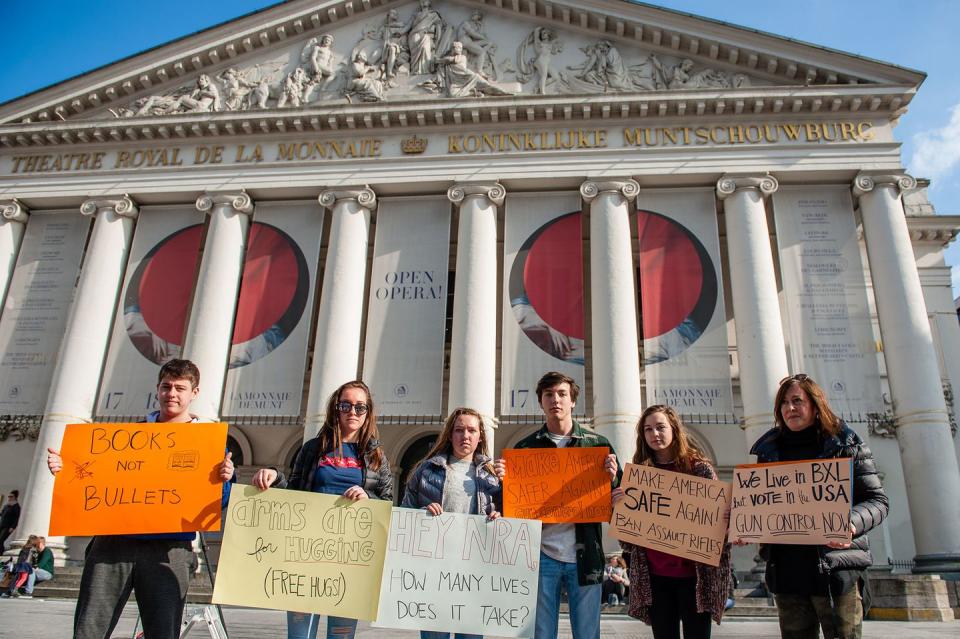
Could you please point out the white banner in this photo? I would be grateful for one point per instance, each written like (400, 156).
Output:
(272, 325)
(460, 574)
(152, 314)
(685, 353)
(36, 309)
(543, 311)
(830, 336)
(403, 355)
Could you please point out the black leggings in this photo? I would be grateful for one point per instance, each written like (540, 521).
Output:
(675, 601)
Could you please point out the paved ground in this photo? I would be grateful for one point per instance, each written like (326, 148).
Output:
(53, 618)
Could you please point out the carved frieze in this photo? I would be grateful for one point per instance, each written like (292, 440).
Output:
(432, 50)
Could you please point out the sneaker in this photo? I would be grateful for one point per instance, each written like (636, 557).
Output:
(4, 595)
(14, 594)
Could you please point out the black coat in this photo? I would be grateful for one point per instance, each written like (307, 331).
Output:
(378, 484)
(841, 566)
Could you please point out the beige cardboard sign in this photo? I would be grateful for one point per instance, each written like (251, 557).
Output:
(675, 513)
(305, 552)
(805, 502)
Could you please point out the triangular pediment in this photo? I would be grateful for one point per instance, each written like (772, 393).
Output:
(369, 55)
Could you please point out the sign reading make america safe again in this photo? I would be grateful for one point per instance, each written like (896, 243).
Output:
(120, 479)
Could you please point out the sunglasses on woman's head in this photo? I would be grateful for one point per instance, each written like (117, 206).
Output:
(346, 407)
(799, 377)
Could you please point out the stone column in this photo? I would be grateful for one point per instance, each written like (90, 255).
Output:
(473, 352)
(76, 378)
(336, 350)
(12, 224)
(756, 307)
(923, 428)
(210, 329)
(617, 401)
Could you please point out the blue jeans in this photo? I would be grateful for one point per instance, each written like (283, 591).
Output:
(584, 601)
(430, 634)
(301, 625)
(38, 574)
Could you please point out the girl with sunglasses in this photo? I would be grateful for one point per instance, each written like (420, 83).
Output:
(667, 591)
(456, 476)
(345, 458)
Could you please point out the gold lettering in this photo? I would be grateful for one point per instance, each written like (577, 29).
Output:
(713, 135)
(669, 135)
(792, 130)
(757, 137)
(489, 143)
(847, 132)
(863, 130)
(600, 138)
(736, 135)
(771, 134)
(630, 136)
(703, 135)
(453, 144)
(813, 132)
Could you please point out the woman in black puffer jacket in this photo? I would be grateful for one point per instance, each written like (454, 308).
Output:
(820, 585)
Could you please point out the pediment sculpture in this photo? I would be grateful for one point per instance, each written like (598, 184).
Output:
(428, 54)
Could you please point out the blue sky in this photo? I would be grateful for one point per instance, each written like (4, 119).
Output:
(58, 39)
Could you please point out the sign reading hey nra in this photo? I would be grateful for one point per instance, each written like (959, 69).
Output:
(498, 142)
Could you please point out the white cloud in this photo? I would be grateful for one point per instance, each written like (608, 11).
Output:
(937, 151)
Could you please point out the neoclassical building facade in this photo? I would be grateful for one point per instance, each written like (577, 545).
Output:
(447, 199)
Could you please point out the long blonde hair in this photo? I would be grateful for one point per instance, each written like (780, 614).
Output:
(444, 443)
(685, 451)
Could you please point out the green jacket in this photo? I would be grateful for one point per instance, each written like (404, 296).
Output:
(590, 557)
(45, 560)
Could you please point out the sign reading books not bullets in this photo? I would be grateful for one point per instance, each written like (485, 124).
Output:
(805, 502)
(676, 513)
(460, 574)
(138, 479)
(302, 551)
(557, 485)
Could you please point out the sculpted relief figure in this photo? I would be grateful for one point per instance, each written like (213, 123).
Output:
(458, 79)
(295, 86)
(242, 90)
(205, 96)
(681, 76)
(320, 61)
(394, 55)
(364, 84)
(480, 51)
(535, 54)
(426, 36)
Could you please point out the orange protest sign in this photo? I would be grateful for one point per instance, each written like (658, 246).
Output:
(138, 478)
(804, 502)
(557, 485)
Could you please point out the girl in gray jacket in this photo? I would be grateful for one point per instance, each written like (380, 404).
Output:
(456, 476)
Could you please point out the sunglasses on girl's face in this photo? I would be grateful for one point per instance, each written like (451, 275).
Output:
(346, 407)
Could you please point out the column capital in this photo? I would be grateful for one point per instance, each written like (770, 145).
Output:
(493, 191)
(240, 202)
(123, 206)
(626, 187)
(364, 196)
(730, 183)
(867, 181)
(15, 211)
